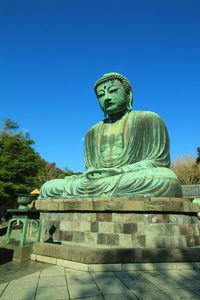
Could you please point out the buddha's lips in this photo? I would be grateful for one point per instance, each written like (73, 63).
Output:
(107, 104)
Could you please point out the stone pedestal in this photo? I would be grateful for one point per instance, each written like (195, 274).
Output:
(117, 234)
(125, 222)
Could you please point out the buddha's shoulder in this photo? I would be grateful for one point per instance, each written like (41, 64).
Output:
(134, 114)
(142, 114)
(94, 128)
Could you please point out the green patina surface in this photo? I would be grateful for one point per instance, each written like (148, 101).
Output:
(125, 154)
(196, 200)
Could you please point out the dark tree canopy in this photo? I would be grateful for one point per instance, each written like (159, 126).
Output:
(9, 124)
(21, 167)
(19, 163)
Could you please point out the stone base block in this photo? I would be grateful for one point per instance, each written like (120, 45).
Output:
(15, 252)
(123, 222)
(92, 256)
(120, 267)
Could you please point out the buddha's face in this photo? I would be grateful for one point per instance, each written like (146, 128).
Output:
(112, 96)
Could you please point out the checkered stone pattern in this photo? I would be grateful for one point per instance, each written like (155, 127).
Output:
(122, 229)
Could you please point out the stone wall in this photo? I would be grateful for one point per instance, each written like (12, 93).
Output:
(122, 223)
(191, 191)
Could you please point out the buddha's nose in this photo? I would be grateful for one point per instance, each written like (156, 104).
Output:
(107, 97)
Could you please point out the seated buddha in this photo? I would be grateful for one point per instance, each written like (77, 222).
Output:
(126, 154)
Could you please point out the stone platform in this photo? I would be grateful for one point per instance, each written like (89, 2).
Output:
(125, 222)
(118, 259)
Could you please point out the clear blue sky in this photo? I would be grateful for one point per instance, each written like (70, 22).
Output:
(52, 52)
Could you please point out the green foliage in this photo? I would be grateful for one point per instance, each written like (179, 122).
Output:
(9, 124)
(19, 163)
(21, 167)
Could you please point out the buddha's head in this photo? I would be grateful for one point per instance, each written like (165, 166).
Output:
(114, 93)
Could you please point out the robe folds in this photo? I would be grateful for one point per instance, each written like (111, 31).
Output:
(143, 162)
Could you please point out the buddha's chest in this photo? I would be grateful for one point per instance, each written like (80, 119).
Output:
(111, 140)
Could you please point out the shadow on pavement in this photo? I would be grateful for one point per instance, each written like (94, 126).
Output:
(6, 255)
(14, 270)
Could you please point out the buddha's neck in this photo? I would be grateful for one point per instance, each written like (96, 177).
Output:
(115, 117)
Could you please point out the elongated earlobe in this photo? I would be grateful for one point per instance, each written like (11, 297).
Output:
(130, 101)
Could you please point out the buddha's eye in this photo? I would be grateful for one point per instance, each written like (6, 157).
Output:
(113, 90)
(100, 95)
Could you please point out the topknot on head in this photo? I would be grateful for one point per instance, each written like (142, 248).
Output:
(113, 75)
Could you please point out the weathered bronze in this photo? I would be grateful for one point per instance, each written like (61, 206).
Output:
(125, 154)
(198, 158)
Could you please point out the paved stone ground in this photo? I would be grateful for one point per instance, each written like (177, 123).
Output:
(41, 281)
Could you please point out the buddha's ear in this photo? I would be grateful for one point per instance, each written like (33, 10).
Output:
(130, 100)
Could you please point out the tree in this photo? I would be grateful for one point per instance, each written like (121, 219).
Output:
(19, 162)
(21, 167)
(8, 124)
(187, 169)
(49, 171)
(69, 172)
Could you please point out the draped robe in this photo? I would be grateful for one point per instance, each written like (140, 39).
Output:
(143, 161)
